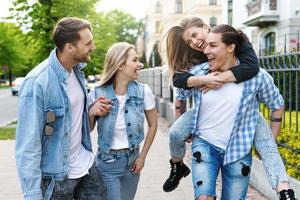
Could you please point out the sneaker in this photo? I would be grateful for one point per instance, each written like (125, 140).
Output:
(287, 195)
(178, 170)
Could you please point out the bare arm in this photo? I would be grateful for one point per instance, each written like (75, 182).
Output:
(275, 121)
(151, 116)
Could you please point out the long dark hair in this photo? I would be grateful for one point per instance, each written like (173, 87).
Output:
(231, 36)
(180, 55)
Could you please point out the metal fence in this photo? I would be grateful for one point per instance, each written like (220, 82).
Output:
(285, 71)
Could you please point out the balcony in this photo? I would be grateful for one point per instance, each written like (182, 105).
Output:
(262, 13)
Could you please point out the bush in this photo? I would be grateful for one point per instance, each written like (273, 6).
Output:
(289, 144)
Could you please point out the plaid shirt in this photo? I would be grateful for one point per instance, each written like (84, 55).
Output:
(261, 88)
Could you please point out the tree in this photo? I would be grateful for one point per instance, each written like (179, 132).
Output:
(126, 26)
(13, 48)
(155, 59)
(39, 20)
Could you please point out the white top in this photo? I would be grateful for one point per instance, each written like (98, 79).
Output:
(120, 140)
(218, 112)
(80, 158)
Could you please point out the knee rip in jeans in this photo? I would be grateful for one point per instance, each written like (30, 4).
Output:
(199, 183)
(197, 155)
(245, 169)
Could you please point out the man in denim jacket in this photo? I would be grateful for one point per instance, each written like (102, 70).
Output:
(53, 145)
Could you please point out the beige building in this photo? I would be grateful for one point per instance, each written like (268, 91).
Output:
(162, 14)
(272, 25)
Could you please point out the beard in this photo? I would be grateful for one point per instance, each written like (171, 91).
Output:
(82, 58)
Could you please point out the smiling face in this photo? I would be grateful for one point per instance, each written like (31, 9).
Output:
(217, 52)
(195, 37)
(130, 69)
(84, 46)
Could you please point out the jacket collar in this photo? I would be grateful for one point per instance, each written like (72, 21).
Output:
(60, 71)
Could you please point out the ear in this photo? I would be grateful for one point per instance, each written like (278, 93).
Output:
(69, 47)
(231, 48)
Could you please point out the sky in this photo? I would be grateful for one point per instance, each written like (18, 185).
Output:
(134, 7)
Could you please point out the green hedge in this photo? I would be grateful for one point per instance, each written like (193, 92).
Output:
(290, 150)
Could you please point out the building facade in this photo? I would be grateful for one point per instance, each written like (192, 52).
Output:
(272, 25)
(163, 14)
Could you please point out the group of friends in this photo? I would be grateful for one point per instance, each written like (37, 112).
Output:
(216, 66)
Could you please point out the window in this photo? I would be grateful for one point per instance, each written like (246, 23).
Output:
(158, 8)
(268, 44)
(158, 27)
(213, 22)
(178, 6)
(212, 2)
(229, 12)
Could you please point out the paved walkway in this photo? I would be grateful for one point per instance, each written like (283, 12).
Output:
(153, 175)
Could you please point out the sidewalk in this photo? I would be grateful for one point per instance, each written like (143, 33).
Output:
(153, 175)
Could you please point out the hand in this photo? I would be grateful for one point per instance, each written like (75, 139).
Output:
(212, 81)
(138, 165)
(100, 107)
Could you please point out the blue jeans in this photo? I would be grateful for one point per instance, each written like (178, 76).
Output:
(264, 143)
(115, 170)
(206, 163)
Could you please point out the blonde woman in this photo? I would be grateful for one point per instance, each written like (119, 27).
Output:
(121, 123)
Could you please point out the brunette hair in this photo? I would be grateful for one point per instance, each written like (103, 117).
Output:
(67, 31)
(231, 36)
(180, 55)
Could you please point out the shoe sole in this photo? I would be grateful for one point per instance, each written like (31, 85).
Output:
(175, 186)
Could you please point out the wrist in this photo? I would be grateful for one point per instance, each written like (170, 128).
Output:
(275, 119)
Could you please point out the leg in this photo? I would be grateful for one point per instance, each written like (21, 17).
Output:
(63, 190)
(129, 182)
(235, 178)
(205, 168)
(111, 168)
(91, 186)
(265, 144)
(178, 133)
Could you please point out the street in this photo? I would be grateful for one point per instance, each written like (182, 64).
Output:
(8, 106)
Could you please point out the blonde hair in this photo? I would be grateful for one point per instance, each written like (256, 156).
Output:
(116, 57)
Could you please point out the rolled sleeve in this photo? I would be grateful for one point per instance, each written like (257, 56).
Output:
(182, 94)
(269, 93)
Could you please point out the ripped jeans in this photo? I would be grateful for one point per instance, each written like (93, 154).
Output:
(206, 163)
(264, 143)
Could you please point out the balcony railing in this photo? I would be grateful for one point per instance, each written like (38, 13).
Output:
(262, 13)
(256, 6)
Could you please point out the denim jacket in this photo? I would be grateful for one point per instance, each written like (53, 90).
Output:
(39, 155)
(134, 116)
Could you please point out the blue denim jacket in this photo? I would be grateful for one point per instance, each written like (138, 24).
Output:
(134, 116)
(38, 155)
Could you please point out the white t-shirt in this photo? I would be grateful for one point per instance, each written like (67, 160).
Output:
(218, 112)
(120, 140)
(80, 158)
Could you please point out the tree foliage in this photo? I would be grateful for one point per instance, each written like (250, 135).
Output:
(13, 47)
(126, 26)
(38, 20)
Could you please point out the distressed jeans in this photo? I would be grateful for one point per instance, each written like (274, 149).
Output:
(208, 161)
(88, 187)
(264, 143)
